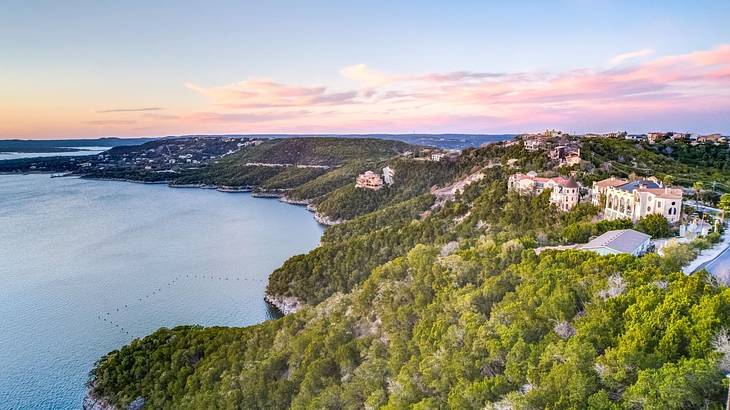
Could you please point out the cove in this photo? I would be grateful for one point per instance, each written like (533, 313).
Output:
(86, 266)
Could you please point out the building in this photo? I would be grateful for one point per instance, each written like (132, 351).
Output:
(655, 136)
(533, 143)
(388, 174)
(565, 192)
(565, 155)
(369, 180)
(599, 188)
(712, 138)
(636, 199)
(573, 158)
(437, 156)
(626, 241)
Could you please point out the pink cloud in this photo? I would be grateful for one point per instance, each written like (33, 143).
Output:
(689, 91)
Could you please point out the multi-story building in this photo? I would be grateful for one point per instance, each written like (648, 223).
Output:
(600, 187)
(653, 137)
(533, 143)
(565, 155)
(637, 199)
(712, 138)
(369, 180)
(565, 192)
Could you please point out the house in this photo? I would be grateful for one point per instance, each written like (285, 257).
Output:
(618, 134)
(637, 199)
(388, 174)
(533, 143)
(565, 155)
(622, 241)
(564, 194)
(599, 188)
(437, 156)
(573, 158)
(712, 138)
(369, 180)
(655, 136)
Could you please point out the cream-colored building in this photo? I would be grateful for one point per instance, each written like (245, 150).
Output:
(369, 180)
(600, 187)
(637, 199)
(565, 192)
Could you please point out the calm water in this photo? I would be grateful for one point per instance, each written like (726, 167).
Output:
(74, 251)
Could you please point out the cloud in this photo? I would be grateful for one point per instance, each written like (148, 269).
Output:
(366, 75)
(110, 122)
(129, 110)
(668, 88)
(263, 93)
(618, 59)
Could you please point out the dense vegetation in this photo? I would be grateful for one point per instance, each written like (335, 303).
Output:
(486, 324)
(419, 303)
(238, 169)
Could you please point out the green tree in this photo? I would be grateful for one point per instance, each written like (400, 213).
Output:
(655, 225)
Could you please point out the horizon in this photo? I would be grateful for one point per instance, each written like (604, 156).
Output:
(147, 70)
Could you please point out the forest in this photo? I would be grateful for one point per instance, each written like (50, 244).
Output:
(416, 303)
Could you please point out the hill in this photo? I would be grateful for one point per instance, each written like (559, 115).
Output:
(417, 302)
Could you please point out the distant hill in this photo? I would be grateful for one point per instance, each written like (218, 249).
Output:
(450, 141)
(18, 145)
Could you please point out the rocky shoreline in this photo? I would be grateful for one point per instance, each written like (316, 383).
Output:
(91, 402)
(285, 304)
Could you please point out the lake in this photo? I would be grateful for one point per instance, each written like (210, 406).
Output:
(86, 266)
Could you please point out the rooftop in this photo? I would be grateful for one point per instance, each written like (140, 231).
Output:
(622, 240)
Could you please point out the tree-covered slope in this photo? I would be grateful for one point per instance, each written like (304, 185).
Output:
(416, 303)
(487, 324)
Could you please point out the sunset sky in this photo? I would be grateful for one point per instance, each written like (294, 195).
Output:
(127, 68)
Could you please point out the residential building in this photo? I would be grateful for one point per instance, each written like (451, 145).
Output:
(655, 136)
(565, 155)
(600, 187)
(573, 158)
(626, 241)
(388, 174)
(533, 143)
(564, 194)
(637, 199)
(712, 138)
(369, 180)
(437, 156)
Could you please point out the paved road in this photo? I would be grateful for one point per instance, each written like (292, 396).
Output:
(720, 266)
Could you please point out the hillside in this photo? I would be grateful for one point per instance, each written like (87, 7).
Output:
(419, 303)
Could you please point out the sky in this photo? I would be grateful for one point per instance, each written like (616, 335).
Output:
(82, 69)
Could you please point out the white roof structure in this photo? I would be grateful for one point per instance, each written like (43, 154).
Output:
(619, 241)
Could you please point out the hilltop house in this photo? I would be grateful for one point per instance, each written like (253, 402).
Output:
(565, 155)
(636, 199)
(565, 192)
(600, 187)
(712, 138)
(533, 143)
(369, 180)
(655, 136)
